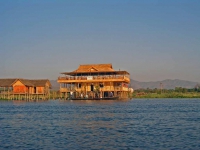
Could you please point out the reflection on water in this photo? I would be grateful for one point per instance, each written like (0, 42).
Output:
(135, 124)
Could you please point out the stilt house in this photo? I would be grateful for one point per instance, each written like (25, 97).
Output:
(24, 88)
(91, 79)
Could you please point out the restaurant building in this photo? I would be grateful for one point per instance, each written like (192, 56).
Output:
(95, 81)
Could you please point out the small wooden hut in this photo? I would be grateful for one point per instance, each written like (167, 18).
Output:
(95, 80)
(24, 89)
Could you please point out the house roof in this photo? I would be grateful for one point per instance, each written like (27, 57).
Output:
(6, 82)
(95, 68)
(26, 82)
(40, 82)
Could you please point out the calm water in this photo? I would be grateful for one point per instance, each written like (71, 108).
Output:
(135, 124)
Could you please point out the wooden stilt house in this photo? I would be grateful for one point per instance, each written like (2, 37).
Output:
(95, 81)
(24, 89)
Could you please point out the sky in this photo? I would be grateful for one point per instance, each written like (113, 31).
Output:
(151, 39)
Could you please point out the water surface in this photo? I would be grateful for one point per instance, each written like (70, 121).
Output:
(134, 124)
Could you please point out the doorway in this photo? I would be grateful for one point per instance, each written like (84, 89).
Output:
(92, 87)
(34, 90)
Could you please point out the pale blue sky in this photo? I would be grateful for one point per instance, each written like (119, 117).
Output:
(152, 39)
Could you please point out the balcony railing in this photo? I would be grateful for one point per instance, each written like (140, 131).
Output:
(101, 89)
(95, 78)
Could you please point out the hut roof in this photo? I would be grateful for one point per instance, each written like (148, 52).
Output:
(94, 68)
(27, 82)
(6, 82)
(40, 82)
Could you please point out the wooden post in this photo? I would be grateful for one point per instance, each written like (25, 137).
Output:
(114, 88)
(110, 86)
(49, 93)
(60, 90)
(84, 89)
(8, 93)
(103, 90)
(4, 93)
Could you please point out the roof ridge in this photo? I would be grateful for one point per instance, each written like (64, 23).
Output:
(94, 64)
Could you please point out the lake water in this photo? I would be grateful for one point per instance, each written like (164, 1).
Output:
(133, 124)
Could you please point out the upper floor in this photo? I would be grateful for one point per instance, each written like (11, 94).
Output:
(94, 73)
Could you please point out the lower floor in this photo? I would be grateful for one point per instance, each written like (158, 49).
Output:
(93, 90)
(94, 94)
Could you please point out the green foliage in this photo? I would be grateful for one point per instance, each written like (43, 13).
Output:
(178, 92)
(97, 89)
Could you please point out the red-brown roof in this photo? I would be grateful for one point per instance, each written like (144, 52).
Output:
(95, 68)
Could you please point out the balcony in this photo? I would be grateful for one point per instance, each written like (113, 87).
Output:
(94, 79)
(106, 88)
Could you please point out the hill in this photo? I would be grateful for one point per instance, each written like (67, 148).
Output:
(166, 84)
(55, 85)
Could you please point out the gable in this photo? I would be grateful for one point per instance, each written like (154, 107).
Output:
(94, 67)
(18, 83)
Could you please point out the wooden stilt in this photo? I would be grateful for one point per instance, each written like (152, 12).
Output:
(4, 93)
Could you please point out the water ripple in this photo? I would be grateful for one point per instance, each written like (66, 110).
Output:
(135, 124)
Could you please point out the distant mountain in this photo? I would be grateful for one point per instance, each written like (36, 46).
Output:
(166, 84)
(55, 85)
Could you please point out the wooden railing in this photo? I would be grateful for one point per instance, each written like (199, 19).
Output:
(94, 78)
(101, 89)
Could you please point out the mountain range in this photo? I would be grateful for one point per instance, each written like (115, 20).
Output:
(165, 84)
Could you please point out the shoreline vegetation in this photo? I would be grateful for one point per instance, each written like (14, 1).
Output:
(178, 92)
(167, 95)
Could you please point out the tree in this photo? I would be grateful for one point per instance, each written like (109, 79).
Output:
(97, 89)
(184, 90)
